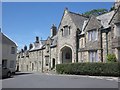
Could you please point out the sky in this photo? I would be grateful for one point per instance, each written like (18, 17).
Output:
(23, 21)
(0, 14)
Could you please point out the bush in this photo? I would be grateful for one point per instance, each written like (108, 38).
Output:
(95, 69)
(111, 58)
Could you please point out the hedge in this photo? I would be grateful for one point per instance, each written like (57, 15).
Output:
(94, 69)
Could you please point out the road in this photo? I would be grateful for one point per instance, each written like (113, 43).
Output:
(38, 80)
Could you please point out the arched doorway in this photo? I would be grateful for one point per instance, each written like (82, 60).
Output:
(66, 54)
(27, 67)
(53, 63)
(32, 66)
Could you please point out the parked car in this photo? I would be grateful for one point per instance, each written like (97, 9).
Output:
(5, 72)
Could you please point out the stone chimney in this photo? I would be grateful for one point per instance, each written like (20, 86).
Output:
(30, 46)
(25, 48)
(37, 39)
(53, 30)
(22, 50)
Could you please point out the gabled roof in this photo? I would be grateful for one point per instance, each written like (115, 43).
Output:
(37, 46)
(117, 11)
(54, 40)
(92, 23)
(7, 40)
(78, 19)
(105, 18)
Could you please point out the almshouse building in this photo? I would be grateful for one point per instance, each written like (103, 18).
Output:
(77, 39)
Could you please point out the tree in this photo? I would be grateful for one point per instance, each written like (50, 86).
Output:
(95, 12)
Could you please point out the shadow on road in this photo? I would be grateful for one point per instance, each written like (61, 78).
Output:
(7, 77)
(21, 73)
(16, 74)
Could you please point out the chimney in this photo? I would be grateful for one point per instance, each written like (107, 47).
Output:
(37, 39)
(30, 46)
(22, 50)
(53, 30)
(25, 48)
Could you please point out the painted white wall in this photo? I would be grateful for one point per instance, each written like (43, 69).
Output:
(0, 48)
(6, 54)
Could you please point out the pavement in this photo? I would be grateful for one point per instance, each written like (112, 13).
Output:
(48, 80)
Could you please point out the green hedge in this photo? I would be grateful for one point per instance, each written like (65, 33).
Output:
(94, 69)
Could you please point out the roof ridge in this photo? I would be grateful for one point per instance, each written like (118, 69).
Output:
(78, 14)
(7, 37)
(105, 13)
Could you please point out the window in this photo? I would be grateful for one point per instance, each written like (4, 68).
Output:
(65, 31)
(47, 48)
(39, 62)
(67, 55)
(92, 35)
(4, 63)
(81, 42)
(39, 53)
(12, 50)
(81, 57)
(117, 31)
(69, 29)
(46, 60)
(93, 57)
(62, 31)
(11, 64)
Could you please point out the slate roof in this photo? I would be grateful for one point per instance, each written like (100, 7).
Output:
(37, 46)
(116, 16)
(54, 40)
(78, 19)
(106, 18)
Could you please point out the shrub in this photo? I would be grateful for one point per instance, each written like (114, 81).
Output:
(97, 69)
(111, 58)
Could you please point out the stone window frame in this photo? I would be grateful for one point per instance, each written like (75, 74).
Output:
(68, 31)
(46, 60)
(116, 30)
(81, 56)
(93, 35)
(94, 57)
(40, 53)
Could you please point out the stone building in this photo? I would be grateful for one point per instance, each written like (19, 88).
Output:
(77, 39)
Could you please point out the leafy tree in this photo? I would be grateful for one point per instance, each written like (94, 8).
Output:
(112, 8)
(96, 12)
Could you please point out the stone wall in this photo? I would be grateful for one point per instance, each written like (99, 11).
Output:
(70, 40)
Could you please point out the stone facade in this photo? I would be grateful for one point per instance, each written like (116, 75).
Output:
(77, 39)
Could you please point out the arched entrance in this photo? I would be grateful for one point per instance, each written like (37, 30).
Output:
(27, 67)
(32, 66)
(53, 63)
(66, 54)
